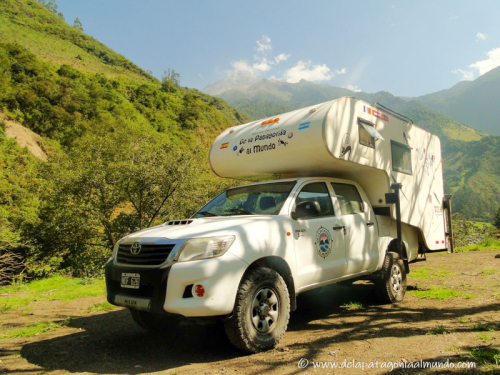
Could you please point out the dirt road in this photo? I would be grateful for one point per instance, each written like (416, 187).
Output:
(333, 324)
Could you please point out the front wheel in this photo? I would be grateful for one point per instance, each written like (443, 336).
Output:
(261, 311)
(391, 282)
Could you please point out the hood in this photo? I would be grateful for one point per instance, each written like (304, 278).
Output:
(200, 227)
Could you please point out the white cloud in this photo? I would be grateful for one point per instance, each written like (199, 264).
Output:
(306, 70)
(281, 57)
(262, 66)
(491, 62)
(352, 88)
(481, 36)
(241, 67)
(467, 75)
(264, 44)
(341, 71)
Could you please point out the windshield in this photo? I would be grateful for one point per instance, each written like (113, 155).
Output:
(262, 199)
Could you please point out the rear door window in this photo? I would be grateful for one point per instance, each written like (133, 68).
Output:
(348, 197)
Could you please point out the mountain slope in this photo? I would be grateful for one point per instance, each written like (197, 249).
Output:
(124, 150)
(28, 23)
(471, 102)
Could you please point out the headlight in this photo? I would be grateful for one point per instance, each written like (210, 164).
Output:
(113, 254)
(204, 248)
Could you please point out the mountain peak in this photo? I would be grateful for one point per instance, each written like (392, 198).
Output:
(237, 81)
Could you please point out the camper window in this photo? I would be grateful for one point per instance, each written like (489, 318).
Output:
(349, 200)
(401, 157)
(365, 138)
(311, 196)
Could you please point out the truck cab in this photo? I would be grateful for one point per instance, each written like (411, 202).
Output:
(309, 231)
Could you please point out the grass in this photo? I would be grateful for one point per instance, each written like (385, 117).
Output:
(426, 272)
(485, 244)
(441, 293)
(102, 306)
(54, 288)
(439, 330)
(33, 329)
(484, 327)
(352, 306)
(481, 224)
(486, 355)
(464, 319)
(482, 336)
(488, 272)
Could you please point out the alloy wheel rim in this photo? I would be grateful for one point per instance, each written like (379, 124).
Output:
(265, 311)
(396, 279)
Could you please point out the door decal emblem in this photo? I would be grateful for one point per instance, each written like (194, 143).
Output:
(323, 242)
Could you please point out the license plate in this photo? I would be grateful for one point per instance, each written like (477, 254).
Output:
(131, 280)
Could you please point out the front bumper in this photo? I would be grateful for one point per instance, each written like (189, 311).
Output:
(151, 293)
(168, 290)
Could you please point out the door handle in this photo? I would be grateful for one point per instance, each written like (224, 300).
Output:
(370, 224)
(339, 228)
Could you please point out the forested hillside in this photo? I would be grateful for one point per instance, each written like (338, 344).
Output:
(47, 35)
(125, 151)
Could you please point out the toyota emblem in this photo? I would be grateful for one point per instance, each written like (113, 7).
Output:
(135, 248)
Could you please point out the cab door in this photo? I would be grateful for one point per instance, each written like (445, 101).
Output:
(319, 247)
(361, 229)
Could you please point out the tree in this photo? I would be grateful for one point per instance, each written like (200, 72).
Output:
(496, 219)
(50, 5)
(170, 81)
(18, 205)
(106, 187)
(77, 24)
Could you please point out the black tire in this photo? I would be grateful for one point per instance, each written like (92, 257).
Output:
(391, 281)
(261, 311)
(153, 322)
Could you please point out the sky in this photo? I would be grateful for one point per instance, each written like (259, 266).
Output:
(408, 48)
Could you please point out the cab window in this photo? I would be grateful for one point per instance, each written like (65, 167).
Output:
(313, 201)
(349, 199)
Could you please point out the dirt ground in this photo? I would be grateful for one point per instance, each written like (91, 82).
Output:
(333, 324)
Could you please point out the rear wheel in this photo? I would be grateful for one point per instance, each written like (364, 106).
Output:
(153, 322)
(391, 283)
(261, 311)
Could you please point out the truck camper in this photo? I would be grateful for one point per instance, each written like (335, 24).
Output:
(346, 190)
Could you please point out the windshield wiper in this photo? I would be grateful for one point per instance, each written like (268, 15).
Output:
(206, 213)
(240, 211)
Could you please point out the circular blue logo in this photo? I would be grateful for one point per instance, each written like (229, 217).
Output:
(323, 242)
(235, 148)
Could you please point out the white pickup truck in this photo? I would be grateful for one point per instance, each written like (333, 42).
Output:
(359, 194)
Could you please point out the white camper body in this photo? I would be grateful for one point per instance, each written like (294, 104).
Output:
(350, 139)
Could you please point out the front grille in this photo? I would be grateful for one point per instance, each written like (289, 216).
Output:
(150, 254)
